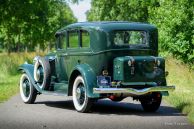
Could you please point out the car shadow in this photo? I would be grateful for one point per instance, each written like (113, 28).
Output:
(107, 107)
(68, 104)
(124, 108)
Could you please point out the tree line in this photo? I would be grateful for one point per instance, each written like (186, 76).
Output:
(27, 24)
(174, 19)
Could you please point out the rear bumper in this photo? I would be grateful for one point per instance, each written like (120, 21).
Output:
(133, 91)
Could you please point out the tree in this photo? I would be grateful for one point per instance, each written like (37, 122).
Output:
(28, 23)
(174, 19)
(125, 10)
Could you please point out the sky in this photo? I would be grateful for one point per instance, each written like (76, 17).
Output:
(80, 9)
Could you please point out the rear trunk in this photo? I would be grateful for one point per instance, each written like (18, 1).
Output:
(140, 70)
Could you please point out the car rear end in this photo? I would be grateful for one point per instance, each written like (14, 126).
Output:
(141, 76)
(136, 75)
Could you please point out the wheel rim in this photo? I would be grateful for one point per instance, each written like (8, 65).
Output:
(80, 94)
(26, 87)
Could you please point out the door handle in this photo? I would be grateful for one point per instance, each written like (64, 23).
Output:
(64, 54)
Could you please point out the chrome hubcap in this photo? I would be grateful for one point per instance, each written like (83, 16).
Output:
(80, 94)
(26, 87)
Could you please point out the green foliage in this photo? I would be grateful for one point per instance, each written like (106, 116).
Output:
(114, 10)
(175, 22)
(24, 24)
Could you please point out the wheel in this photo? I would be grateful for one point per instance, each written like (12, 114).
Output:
(152, 102)
(42, 73)
(81, 101)
(27, 91)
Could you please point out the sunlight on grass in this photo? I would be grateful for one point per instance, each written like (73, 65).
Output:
(8, 87)
(9, 74)
(183, 78)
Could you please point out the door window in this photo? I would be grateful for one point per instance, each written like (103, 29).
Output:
(73, 39)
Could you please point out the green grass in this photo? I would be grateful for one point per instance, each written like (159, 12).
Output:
(8, 87)
(9, 74)
(183, 78)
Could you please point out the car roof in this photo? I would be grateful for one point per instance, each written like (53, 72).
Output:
(110, 25)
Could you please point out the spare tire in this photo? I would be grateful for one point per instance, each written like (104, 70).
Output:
(42, 73)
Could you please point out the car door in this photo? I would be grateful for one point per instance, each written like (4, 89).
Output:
(73, 48)
(61, 57)
(78, 48)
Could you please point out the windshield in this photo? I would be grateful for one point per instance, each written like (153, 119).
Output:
(129, 37)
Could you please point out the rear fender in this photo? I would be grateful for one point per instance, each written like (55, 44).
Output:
(29, 70)
(90, 79)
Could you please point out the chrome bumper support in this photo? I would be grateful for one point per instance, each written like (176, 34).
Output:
(133, 91)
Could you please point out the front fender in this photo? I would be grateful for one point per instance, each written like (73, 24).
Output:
(90, 79)
(29, 70)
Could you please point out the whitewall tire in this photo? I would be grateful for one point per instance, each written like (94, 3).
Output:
(27, 91)
(81, 101)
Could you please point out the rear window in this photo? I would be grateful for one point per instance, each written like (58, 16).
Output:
(126, 38)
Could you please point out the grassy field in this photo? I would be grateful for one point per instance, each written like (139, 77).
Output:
(183, 78)
(9, 74)
(179, 75)
(8, 87)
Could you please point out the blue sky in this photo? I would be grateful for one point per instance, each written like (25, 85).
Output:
(80, 9)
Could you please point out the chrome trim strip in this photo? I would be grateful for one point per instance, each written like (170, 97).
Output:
(134, 91)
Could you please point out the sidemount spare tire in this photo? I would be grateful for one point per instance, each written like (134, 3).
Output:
(42, 73)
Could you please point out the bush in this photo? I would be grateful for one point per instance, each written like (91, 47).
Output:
(175, 23)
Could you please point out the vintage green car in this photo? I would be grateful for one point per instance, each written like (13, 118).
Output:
(96, 60)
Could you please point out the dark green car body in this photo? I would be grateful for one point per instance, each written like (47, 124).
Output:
(108, 62)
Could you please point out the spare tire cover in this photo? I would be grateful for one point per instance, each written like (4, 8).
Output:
(42, 73)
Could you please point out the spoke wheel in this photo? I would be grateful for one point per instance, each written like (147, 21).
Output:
(27, 92)
(81, 101)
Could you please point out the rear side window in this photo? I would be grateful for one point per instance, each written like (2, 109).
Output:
(85, 38)
(73, 39)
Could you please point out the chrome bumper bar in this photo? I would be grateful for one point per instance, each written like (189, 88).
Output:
(133, 91)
